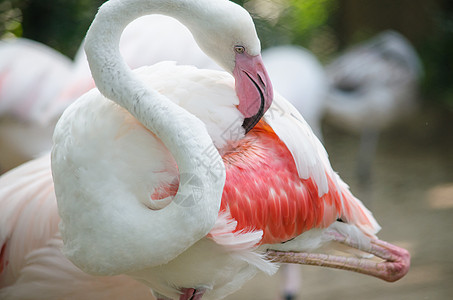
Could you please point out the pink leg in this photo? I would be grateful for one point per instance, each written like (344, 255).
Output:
(186, 294)
(198, 294)
(290, 281)
(191, 294)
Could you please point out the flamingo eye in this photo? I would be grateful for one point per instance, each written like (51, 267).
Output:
(239, 49)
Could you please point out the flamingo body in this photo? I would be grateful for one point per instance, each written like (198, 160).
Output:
(240, 233)
(231, 244)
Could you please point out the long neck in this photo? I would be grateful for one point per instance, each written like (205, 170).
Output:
(183, 134)
(111, 74)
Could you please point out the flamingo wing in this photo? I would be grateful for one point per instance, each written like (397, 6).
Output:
(312, 160)
(28, 215)
(279, 180)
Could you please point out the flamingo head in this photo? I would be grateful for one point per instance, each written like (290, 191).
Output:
(229, 38)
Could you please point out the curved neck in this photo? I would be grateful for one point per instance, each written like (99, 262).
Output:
(112, 76)
(182, 133)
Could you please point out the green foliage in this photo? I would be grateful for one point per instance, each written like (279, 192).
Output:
(437, 56)
(61, 24)
(300, 22)
(307, 16)
(10, 20)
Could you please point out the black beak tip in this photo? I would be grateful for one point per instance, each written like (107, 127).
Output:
(249, 123)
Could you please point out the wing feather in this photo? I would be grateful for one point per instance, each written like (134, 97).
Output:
(279, 180)
(28, 214)
(47, 274)
(312, 163)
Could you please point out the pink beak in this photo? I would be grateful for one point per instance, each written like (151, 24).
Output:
(253, 88)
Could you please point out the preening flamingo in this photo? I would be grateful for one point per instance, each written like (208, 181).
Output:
(372, 86)
(295, 72)
(142, 193)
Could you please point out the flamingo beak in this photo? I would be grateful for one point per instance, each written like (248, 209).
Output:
(253, 88)
(388, 262)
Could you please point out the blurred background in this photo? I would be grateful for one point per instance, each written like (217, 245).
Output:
(410, 189)
(325, 27)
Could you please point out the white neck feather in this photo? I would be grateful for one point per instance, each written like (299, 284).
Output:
(183, 134)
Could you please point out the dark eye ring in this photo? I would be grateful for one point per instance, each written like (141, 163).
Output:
(239, 49)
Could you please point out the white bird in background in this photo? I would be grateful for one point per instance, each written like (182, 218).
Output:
(298, 76)
(32, 101)
(372, 86)
(31, 75)
(143, 192)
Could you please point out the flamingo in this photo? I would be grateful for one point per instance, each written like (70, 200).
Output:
(220, 220)
(362, 100)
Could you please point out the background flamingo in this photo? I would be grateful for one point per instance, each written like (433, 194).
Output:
(31, 76)
(299, 77)
(372, 86)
